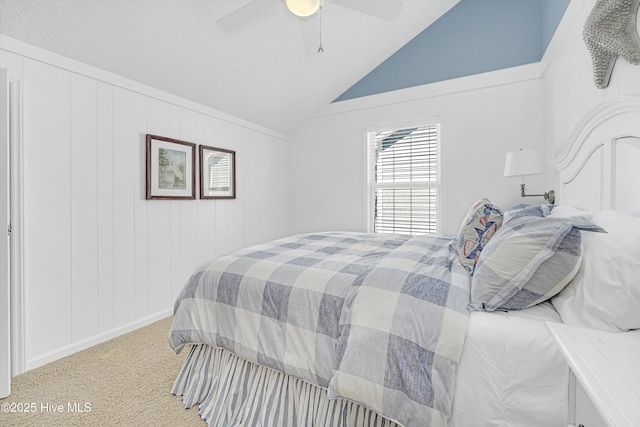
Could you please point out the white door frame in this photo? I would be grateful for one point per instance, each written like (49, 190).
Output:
(11, 253)
(17, 221)
(5, 239)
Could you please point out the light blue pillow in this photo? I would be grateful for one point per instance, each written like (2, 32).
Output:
(529, 260)
(527, 210)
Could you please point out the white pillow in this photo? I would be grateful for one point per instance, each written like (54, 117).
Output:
(567, 211)
(605, 294)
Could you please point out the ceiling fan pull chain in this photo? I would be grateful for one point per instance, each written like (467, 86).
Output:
(320, 48)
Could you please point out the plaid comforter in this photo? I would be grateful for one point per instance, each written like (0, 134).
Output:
(378, 319)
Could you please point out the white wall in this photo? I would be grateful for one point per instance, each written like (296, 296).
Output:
(569, 90)
(99, 259)
(482, 117)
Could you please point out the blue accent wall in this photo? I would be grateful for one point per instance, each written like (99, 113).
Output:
(552, 13)
(475, 36)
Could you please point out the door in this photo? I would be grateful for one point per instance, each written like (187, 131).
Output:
(5, 197)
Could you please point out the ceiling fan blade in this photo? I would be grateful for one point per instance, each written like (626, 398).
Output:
(246, 15)
(388, 10)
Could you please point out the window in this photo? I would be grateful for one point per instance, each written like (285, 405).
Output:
(404, 180)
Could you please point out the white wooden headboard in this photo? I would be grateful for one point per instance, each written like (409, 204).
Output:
(599, 168)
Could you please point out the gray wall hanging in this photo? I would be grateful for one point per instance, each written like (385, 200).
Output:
(610, 31)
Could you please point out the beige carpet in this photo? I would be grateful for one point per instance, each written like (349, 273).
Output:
(124, 382)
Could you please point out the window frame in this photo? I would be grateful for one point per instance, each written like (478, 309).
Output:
(370, 186)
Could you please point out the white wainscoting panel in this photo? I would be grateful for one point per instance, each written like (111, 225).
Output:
(99, 259)
(105, 196)
(124, 186)
(47, 208)
(155, 240)
(84, 207)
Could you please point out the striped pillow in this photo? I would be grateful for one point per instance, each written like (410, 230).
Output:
(528, 261)
(527, 210)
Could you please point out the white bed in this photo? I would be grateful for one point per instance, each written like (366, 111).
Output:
(510, 372)
(521, 379)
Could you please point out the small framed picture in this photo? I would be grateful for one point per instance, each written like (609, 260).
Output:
(171, 168)
(217, 173)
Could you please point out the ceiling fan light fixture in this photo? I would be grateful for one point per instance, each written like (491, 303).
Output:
(303, 8)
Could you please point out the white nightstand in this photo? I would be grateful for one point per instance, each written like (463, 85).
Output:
(607, 368)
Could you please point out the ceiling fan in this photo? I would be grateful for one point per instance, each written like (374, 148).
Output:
(253, 11)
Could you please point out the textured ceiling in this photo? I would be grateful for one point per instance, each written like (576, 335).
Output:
(262, 72)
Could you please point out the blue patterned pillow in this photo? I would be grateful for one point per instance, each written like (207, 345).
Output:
(528, 261)
(480, 223)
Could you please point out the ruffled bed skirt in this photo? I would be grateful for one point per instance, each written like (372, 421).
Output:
(233, 392)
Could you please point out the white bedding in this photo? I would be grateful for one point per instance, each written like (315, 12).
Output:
(499, 348)
(510, 375)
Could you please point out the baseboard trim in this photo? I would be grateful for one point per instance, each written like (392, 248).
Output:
(98, 339)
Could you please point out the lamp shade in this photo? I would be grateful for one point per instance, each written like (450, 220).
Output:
(521, 163)
(303, 7)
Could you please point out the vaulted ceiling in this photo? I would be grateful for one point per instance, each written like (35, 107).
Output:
(261, 72)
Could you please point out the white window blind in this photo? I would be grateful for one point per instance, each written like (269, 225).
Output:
(404, 180)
